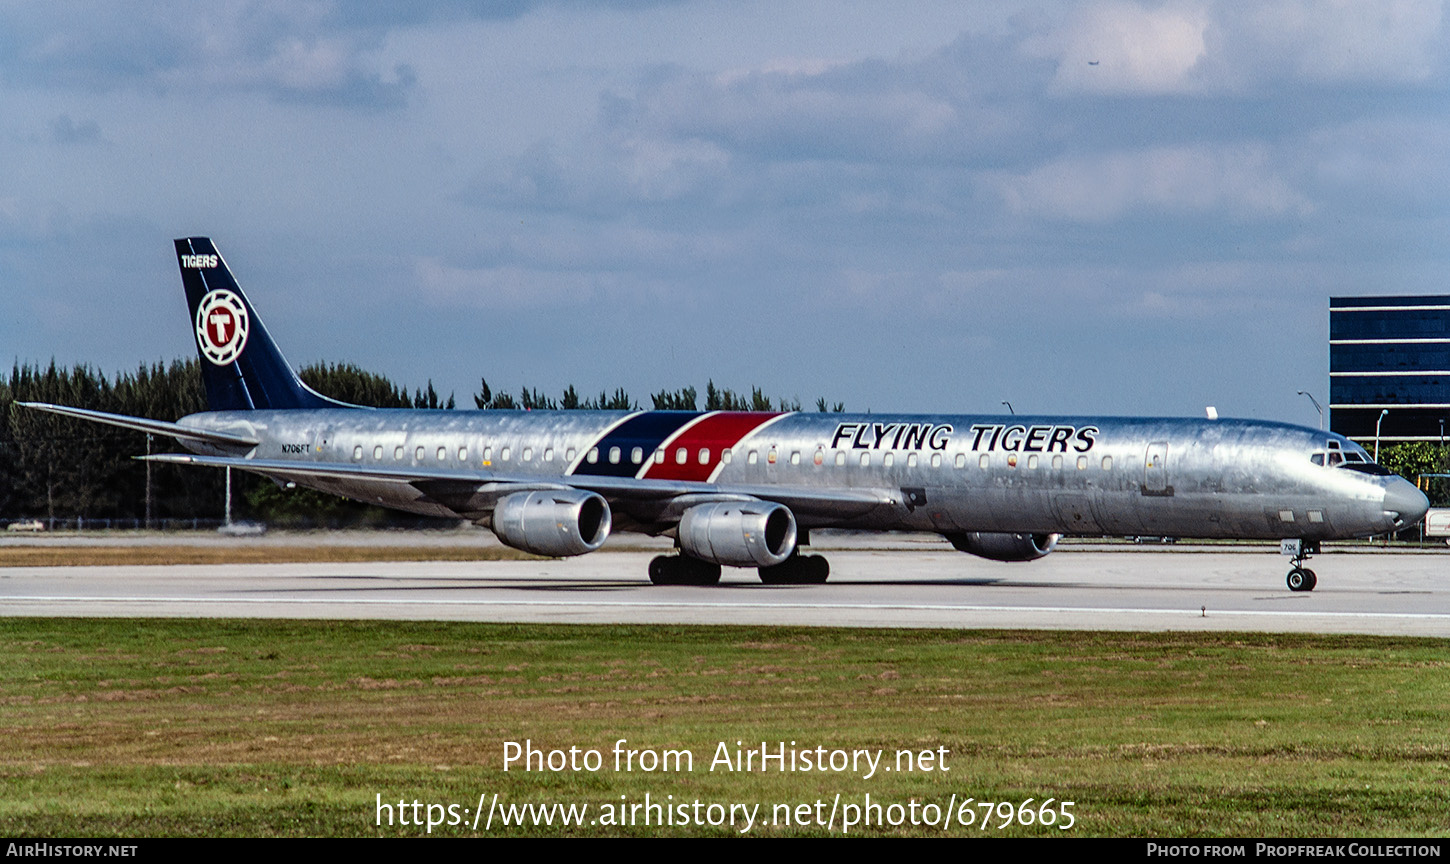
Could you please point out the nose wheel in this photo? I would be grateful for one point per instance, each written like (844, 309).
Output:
(1302, 579)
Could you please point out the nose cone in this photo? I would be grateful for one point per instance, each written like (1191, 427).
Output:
(1404, 504)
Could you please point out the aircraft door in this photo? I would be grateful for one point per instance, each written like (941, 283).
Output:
(1155, 470)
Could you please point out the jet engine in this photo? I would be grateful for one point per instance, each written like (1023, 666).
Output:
(1005, 547)
(738, 533)
(556, 523)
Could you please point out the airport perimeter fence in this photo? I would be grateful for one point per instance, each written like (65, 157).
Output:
(20, 526)
(42, 525)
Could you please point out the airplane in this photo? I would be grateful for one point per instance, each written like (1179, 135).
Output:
(745, 489)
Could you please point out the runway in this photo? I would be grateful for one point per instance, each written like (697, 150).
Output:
(1359, 592)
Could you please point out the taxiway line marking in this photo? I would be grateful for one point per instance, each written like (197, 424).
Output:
(923, 607)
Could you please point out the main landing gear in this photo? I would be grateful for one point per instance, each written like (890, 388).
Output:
(1300, 578)
(797, 570)
(684, 570)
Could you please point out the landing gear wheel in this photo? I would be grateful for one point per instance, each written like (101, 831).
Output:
(797, 570)
(661, 571)
(1301, 578)
(682, 570)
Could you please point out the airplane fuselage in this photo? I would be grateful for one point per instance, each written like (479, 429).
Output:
(941, 473)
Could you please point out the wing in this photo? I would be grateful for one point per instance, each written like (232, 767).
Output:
(471, 494)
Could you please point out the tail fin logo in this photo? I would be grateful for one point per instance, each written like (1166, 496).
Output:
(221, 326)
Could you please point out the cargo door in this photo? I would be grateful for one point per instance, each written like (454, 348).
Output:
(1155, 470)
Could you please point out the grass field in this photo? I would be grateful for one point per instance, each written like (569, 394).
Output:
(162, 727)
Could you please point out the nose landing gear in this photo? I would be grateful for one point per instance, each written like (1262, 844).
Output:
(1300, 578)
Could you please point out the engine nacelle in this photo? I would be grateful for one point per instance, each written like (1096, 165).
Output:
(1005, 547)
(556, 523)
(738, 533)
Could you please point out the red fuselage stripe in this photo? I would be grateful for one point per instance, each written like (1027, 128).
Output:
(712, 434)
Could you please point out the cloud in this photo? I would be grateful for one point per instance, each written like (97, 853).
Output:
(64, 130)
(1215, 46)
(289, 51)
(1237, 181)
(1126, 47)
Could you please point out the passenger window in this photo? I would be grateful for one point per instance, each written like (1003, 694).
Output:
(961, 460)
(378, 453)
(911, 460)
(704, 455)
(593, 455)
(398, 454)
(1082, 463)
(752, 457)
(795, 457)
(1107, 463)
(865, 460)
(418, 454)
(1032, 462)
(840, 458)
(357, 453)
(636, 455)
(504, 454)
(681, 455)
(568, 455)
(725, 456)
(936, 460)
(984, 461)
(548, 454)
(888, 460)
(1057, 462)
(462, 454)
(442, 454)
(613, 455)
(528, 454)
(488, 454)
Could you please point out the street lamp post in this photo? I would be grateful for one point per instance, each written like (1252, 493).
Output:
(1377, 434)
(1317, 407)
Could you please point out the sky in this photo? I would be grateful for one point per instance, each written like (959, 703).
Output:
(1130, 208)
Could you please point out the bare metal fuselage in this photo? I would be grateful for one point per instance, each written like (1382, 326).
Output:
(1078, 475)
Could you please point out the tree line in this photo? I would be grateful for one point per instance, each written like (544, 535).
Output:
(59, 468)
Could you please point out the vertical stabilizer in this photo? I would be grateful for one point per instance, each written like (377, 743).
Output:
(241, 365)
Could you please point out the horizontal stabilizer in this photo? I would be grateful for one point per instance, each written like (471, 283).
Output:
(141, 424)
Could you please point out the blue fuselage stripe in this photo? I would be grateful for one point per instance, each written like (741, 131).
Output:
(647, 432)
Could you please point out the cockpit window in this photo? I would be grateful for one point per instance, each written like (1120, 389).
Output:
(1335, 458)
(1368, 468)
(1317, 458)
